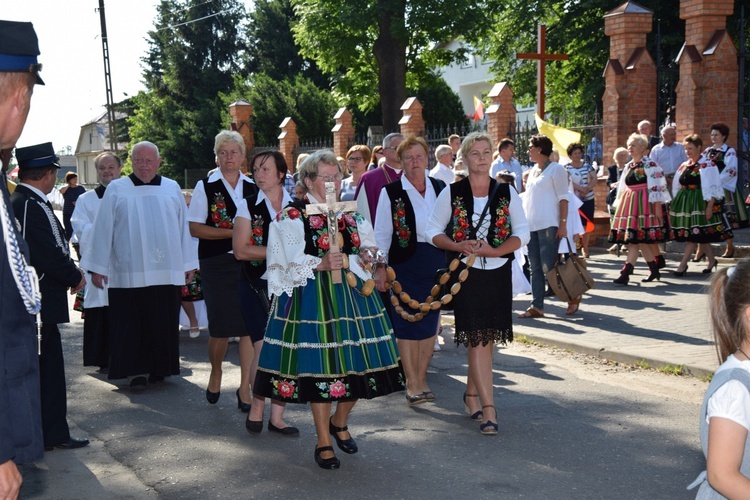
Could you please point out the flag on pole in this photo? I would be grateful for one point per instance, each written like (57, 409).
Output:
(478, 109)
(561, 137)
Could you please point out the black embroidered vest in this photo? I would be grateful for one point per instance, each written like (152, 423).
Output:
(260, 219)
(316, 231)
(221, 212)
(461, 226)
(404, 239)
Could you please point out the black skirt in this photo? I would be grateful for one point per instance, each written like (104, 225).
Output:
(219, 277)
(484, 307)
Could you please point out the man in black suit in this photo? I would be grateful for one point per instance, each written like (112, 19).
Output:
(20, 414)
(50, 256)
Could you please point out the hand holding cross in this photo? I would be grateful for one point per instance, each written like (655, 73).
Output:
(332, 209)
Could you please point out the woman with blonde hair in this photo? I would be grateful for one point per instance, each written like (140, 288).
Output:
(640, 220)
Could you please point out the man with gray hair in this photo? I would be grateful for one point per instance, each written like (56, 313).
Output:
(372, 181)
(140, 246)
(443, 170)
(668, 154)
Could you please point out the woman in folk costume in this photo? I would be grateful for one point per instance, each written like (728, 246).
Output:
(328, 339)
(639, 218)
(697, 211)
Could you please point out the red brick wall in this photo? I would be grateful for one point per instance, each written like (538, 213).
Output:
(707, 90)
(501, 113)
(343, 132)
(412, 122)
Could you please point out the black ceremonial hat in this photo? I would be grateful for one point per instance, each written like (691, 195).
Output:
(41, 155)
(19, 47)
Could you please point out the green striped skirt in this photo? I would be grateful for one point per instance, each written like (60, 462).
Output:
(687, 219)
(328, 342)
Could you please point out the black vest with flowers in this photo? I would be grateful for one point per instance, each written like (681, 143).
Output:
(404, 239)
(260, 219)
(221, 212)
(317, 241)
(461, 227)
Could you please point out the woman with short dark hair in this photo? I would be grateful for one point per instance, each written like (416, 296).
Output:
(583, 177)
(546, 205)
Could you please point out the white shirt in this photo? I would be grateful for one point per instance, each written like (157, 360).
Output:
(544, 191)
(731, 400)
(669, 158)
(140, 236)
(422, 209)
(513, 165)
(82, 221)
(244, 211)
(443, 172)
(198, 210)
(442, 214)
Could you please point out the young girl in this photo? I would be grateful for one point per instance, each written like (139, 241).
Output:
(725, 414)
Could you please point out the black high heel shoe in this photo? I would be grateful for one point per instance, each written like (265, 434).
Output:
(680, 274)
(326, 463)
(346, 445)
(243, 407)
(212, 397)
(711, 267)
(699, 258)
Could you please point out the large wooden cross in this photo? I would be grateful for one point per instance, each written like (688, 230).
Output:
(332, 209)
(541, 58)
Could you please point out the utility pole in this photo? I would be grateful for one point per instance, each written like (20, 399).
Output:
(108, 81)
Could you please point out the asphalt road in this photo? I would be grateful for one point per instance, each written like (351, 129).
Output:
(569, 428)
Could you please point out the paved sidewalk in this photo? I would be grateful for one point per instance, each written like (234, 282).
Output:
(663, 322)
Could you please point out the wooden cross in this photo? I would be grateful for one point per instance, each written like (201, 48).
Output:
(541, 57)
(332, 209)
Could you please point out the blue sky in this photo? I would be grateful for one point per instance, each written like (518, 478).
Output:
(69, 34)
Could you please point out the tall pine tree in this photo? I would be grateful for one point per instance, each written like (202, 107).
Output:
(195, 49)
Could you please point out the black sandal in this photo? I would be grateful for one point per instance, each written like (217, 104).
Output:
(489, 428)
(326, 463)
(346, 445)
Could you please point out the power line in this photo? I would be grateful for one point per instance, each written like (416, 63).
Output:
(195, 20)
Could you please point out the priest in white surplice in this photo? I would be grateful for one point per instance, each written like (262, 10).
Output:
(140, 246)
(95, 300)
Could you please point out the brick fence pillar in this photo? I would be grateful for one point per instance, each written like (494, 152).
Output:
(241, 112)
(412, 122)
(501, 113)
(343, 132)
(288, 141)
(707, 90)
(630, 76)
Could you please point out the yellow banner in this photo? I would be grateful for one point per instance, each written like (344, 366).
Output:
(561, 137)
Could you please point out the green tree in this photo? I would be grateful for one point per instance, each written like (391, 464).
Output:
(271, 46)
(310, 107)
(577, 29)
(374, 48)
(195, 49)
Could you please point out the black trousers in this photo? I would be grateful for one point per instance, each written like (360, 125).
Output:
(52, 383)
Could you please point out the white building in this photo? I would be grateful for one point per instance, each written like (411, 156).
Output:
(92, 140)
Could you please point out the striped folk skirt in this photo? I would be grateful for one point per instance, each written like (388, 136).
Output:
(687, 219)
(328, 342)
(635, 220)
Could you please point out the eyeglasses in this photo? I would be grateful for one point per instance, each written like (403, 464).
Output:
(354, 158)
(329, 178)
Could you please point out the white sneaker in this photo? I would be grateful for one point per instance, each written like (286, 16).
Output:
(195, 332)
(437, 345)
